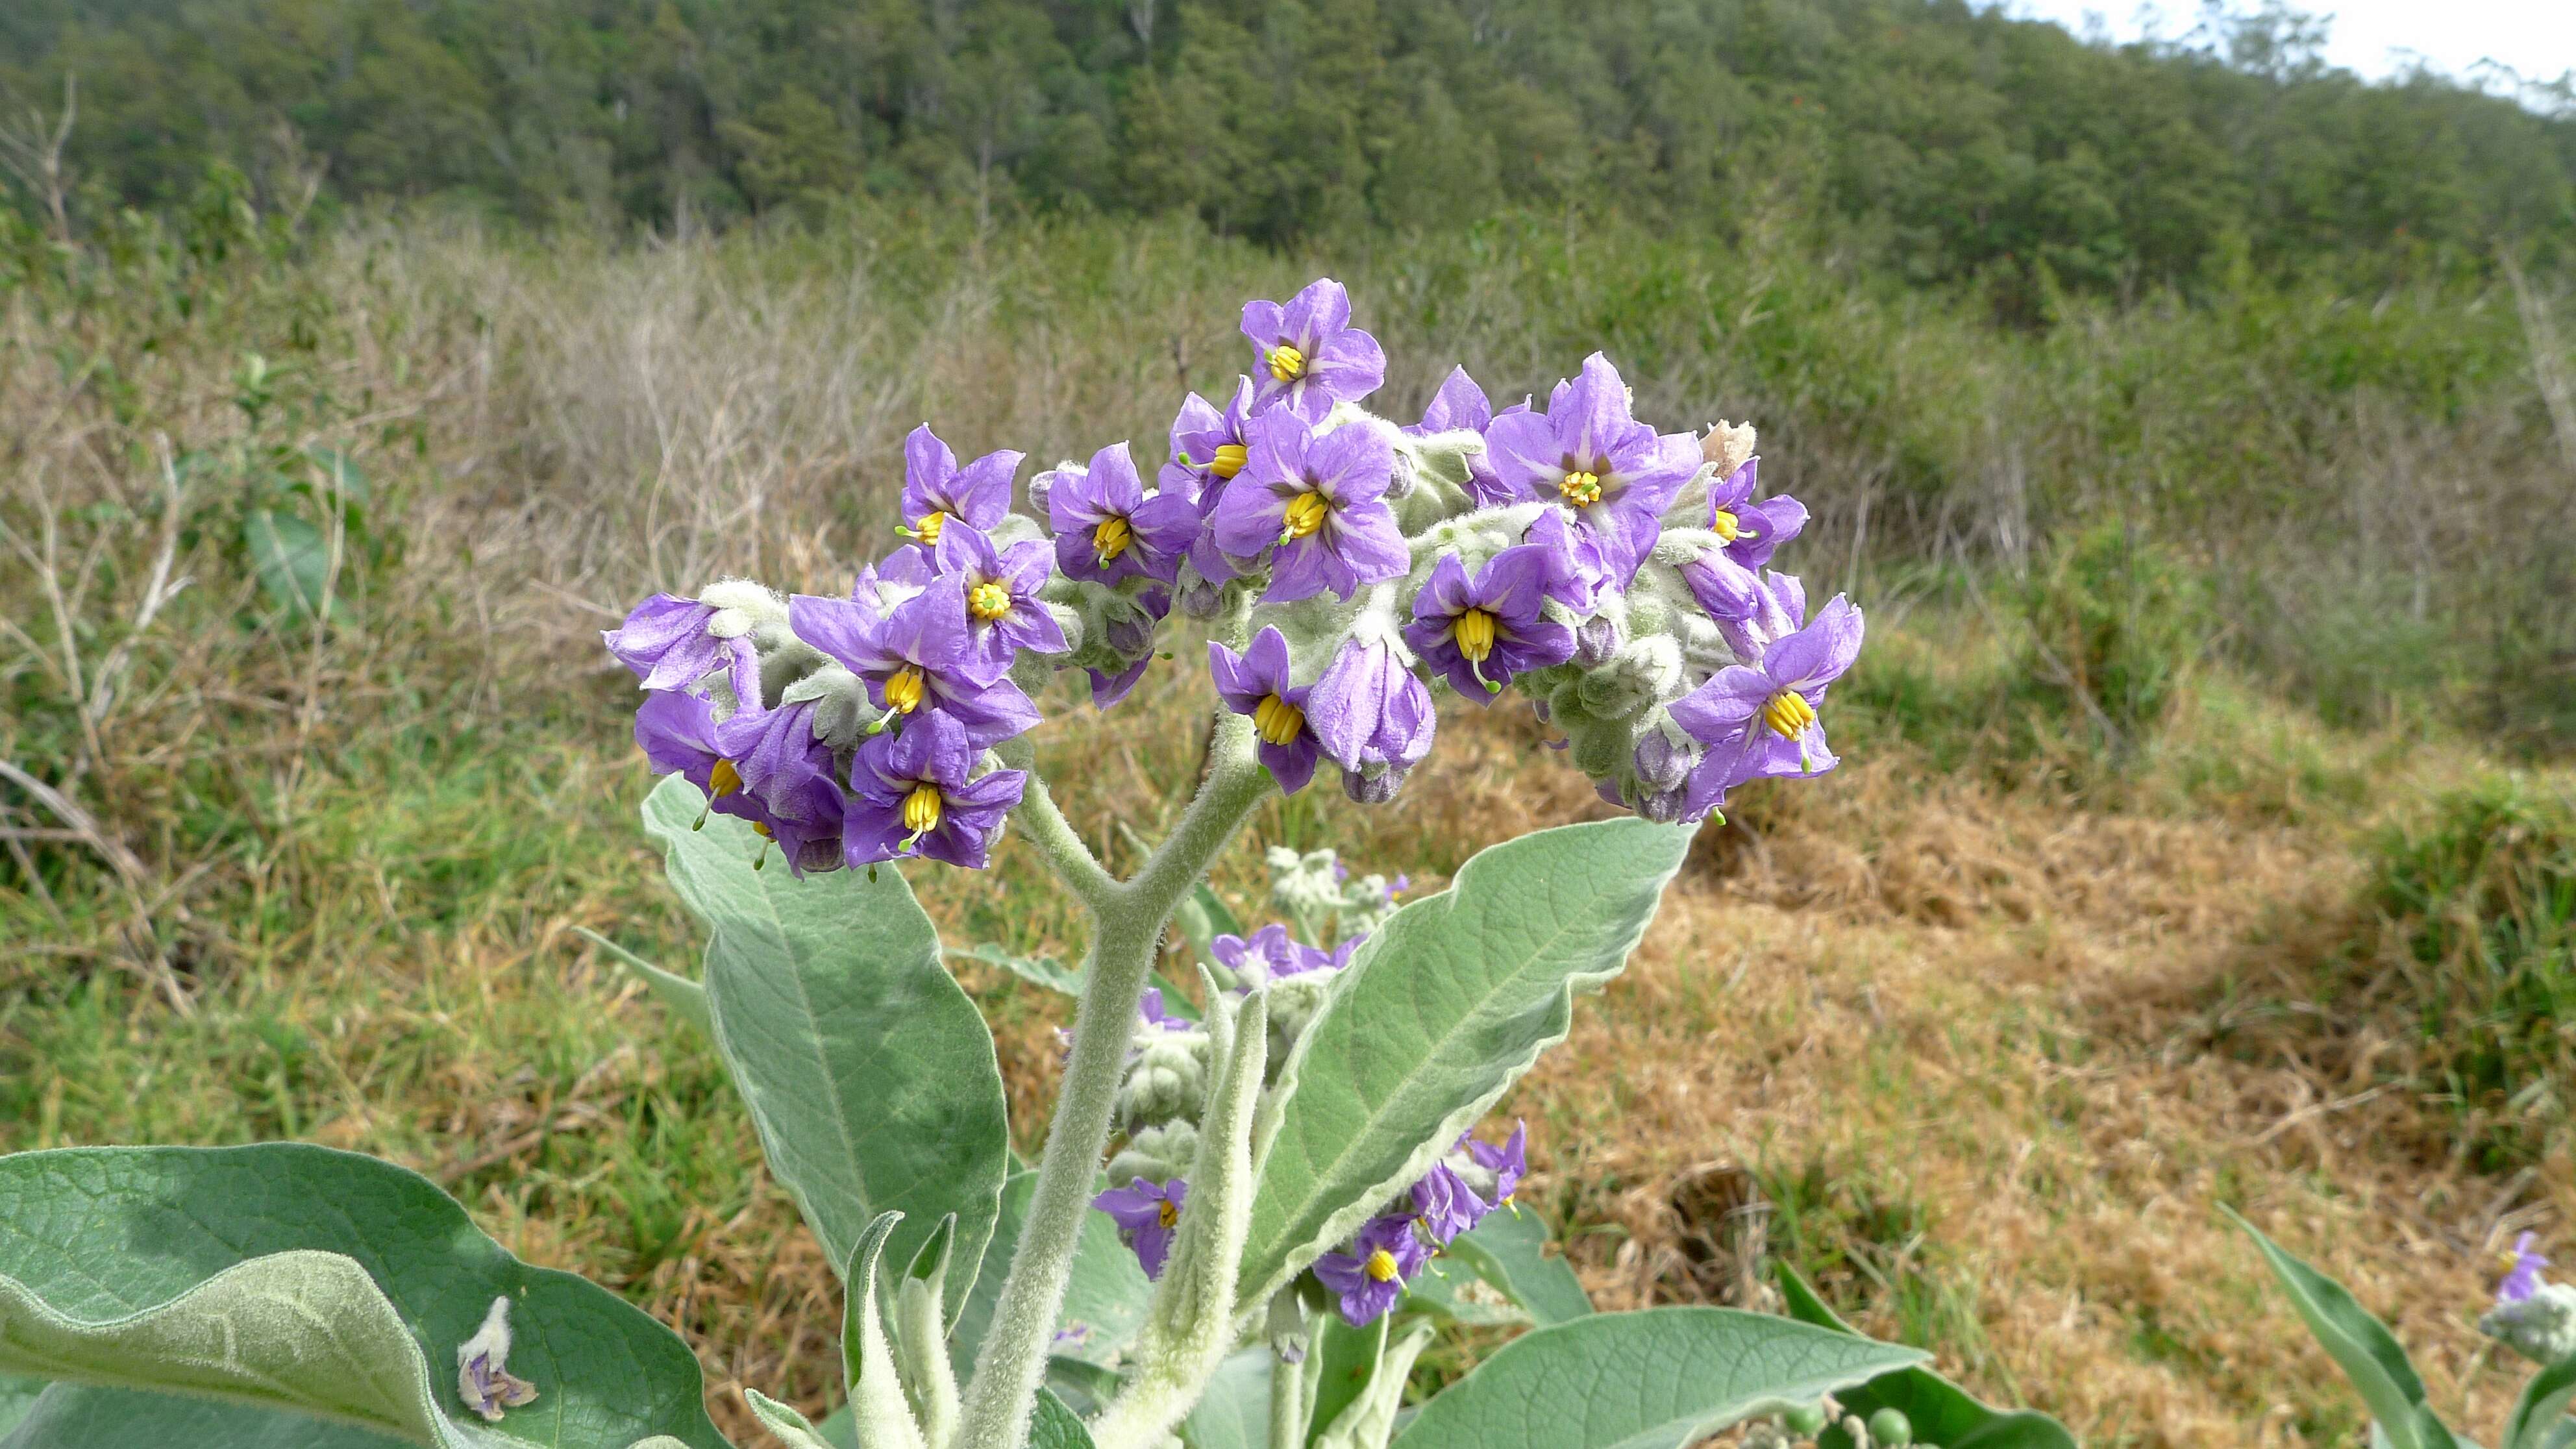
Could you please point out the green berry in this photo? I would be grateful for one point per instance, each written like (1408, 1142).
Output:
(1890, 1427)
(1806, 1421)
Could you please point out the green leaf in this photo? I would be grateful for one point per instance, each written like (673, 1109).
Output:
(339, 1284)
(687, 999)
(81, 1416)
(2369, 1354)
(868, 1071)
(2542, 1411)
(791, 1427)
(1440, 1012)
(1349, 1360)
(1234, 1413)
(1369, 1419)
(1104, 1298)
(1657, 1379)
(1454, 1290)
(1940, 1411)
(1509, 1250)
(17, 1397)
(290, 559)
(1036, 970)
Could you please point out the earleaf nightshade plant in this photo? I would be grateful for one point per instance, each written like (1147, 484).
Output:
(1254, 1209)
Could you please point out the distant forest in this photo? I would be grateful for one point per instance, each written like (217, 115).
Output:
(1946, 142)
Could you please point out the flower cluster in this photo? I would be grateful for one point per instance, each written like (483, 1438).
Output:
(2532, 1315)
(1371, 1271)
(1616, 575)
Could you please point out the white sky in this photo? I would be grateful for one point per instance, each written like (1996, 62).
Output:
(2374, 37)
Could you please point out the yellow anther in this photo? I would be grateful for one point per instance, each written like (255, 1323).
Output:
(761, 829)
(988, 601)
(1724, 525)
(1381, 1266)
(927, 526)
(1306, 513)
(1277, 721)
(1111, 538)
(905, 691)
(1474, 631)
(724, 779)
(921, 808)
(1580, 488)
(1166, 1214)
(1287, 363)
(1230, 458)
(1788, 714)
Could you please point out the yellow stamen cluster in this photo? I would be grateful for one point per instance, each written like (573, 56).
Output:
(1724, 525)
(905, 691)
(1166, 1214)
(1474, 632)
(1381, 1266)
(724, 779)
(1277, 721)
(1306, 513)
(988, 601)
(1788, 714)
(1230, 458)
(1580, 488)
(1111, 538)
(927, 526)
(1287, 363)
(921, 808)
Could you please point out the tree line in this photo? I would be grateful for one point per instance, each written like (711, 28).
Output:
(1948, 142)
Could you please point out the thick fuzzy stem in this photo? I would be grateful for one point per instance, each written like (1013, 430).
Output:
(1129, 921)
(1052, 834)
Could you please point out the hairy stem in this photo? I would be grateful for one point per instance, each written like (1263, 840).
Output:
(1129, 919)
(1053, 835)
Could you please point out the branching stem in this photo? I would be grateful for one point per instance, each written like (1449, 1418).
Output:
(1129, 917)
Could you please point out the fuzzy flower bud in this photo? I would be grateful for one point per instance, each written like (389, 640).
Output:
(1167, 1080)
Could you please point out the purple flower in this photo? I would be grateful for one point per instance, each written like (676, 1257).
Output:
(1003, 615)
(2522, 1279)
(1443, 1203)
(1759, 721)
(1725, 580)
(1317, 499)
(1508, 1163)
(1613, 474)
(936, 491)
(774, 752)
(1369, 714)
(1307, 354)
(1106, 529)
(918, 659)
(665, 641)
(1129, 633)
(1208, 449)
(899, 576)
(1371, 1276)
(679, 735)
(1779, 610)
(911, 795)
(1255, 682)
(1147, 1215)
(1482, 632)
(1461, 406)
(1150, 1007)
(1269, 954)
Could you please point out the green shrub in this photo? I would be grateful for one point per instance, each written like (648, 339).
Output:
(2114, 623)
(2481, 904)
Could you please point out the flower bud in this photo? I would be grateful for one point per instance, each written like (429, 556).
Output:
(1662, 764)
(1890, 1427)
(1294, 1001)
(1157, 1154)
(1168, 1078)
(1375, 789)
(1645, 672)
(1596, 640)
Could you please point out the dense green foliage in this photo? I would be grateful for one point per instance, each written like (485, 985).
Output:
(2482, 904)
(1951, 142)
